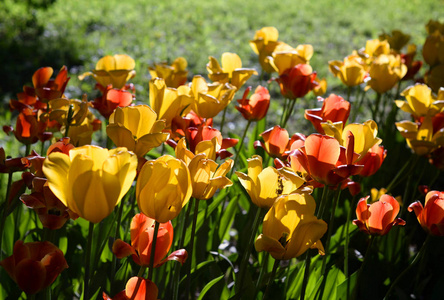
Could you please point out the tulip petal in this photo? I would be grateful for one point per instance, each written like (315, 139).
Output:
(56, 167)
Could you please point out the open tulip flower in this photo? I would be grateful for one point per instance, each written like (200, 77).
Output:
(421, 137)
(45, 88)
(91, 181)
(34, 266)
(435, 78)
(168, 102)
(142, 236)
(397, 39)
(264, 43)
(420, 101)
(255, 108)
(379, 217)
(431, 215)
(385, 72)
(174, 75)
(296, 82)
(60, 111)
(111, 99)
(231, 70)
(136, 128)
(27, 127)
(115, 70)
(372, 160)
(210, 99)
(146, 290)
(276, 141)
(374, 48)
(334, 109)
(288, 58)
(290, 227)
(352, 71)
(163, 188)
(265, 185)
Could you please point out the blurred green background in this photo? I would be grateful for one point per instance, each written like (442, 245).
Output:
(76, 33)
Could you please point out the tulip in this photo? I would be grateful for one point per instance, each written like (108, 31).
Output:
(420, 101)
(231, 70)
(63, 146)
(206, 175)
(433, 48)
(115, 70)
(142, 236)
(137, 288)
(255, 108)
(27, 127)
(169, 103)
(434, 25)
(81, 134)
(376, 47)
(91, 181)
(136, 128)
(34, 266)
(284, 59)
(431, 215)
(435, 78)
(385, 72)
(290, 227)
(379, 217)
(372, 160)
(174, 75)
(60, 111)
(265, 185)
(334, 109)
(210, 99)
(352, 71)
(276, 141)
(413, 66)
(163, 188)
(297, 81)
(111, 99)
(397, 40)
(45, 88)
(321, 88)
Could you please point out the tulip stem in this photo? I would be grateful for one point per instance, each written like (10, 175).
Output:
(262, 272)
(247, 251)
(69, 120)
(87, 261)
(403, 172)
(349, 93)
(190, 253)
(288, 112)
(116, 235)
(241, 144)
(364, 262)
(270, 281)
(347, 235)
(27, 149)
(4, 211)
(153, 250)
(222, 122)
(376, 108)
(306, 274)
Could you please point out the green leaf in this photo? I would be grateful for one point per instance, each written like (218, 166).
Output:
(208, 286)
(347, 287)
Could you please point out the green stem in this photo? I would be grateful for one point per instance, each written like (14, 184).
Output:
(330, 230)
(376, 108)
(348, 93)
(69, 119)
(289, 112)
(27, 149)
(364, 262)
(222, 122)
(264, 268)
(116, 236)
(322, 202)
(306, 274)
(417, 258)
(347, 236)
(359, 103)
(402, 173)
(241, 144)
(270, 281)
(42, 148)
(247, 251)
(4, 212)
(153, 250)
(284, 111)
(87, 261)
(190, 252)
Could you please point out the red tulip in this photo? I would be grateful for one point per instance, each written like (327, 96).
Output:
(372, 161)
(334, 109)
(379, 217)
(34, 266)
(137, 288)
(255, 108)
(111, 99)
(296, 82)
(431, 216)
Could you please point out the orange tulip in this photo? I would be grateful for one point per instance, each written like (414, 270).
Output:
(142, 236)
(255, 108)
(111, 99)
(379, 217)
(34, 266)
(334, 109)
(146, 290)
(296, 82)
(45, 88)
(372, 160)
(431, 216)
(276, 141)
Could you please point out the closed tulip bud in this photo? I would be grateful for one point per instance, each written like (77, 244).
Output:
(91, 181)
(255, 108)
(163, 188)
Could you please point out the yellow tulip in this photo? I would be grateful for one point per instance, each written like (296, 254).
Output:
(435, 78)
(290, 227)
(397, 40)
(115, 70)
(81, 134)
(287, 59)
(265, 185)
(163, 188)
(420, 137)
(59, 109)
(420, 101)
(210, 99)
(174, 75)
(206, 175)
(136, 128)
(385, 72)
(374, 48)
(351, 71)
(169, 102)
(264, 43)
(91, 181)
(231, 70)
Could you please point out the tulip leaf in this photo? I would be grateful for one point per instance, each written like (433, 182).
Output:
(328, 289)
(208, 286)
(345, 289)
(227, 217)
